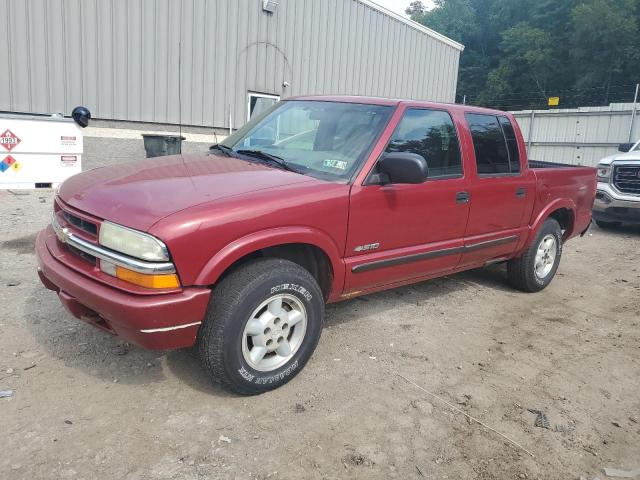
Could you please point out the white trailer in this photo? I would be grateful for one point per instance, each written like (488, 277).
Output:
(38, 151)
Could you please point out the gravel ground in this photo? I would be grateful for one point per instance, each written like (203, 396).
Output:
(86, 405)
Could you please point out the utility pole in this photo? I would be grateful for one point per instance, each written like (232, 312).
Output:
(633, 114)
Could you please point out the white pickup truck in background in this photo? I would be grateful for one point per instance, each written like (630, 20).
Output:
(618, 192)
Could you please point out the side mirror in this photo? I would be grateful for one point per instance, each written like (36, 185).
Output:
(402, 167)
(625, 147)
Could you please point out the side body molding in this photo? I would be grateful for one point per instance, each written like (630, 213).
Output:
(243, 246)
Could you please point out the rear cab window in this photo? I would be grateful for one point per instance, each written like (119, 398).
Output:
(495, 144)
(431, 134)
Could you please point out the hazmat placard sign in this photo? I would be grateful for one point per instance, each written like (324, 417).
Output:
(38, 151)
(9, 163)
(8, 140)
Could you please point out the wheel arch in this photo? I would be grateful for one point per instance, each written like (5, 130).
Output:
(563, 211)
(312, 249)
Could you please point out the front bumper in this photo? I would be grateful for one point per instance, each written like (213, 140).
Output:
(156, 321)
(608, 208)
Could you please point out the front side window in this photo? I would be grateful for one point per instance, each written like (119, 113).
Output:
(431, 134)
(327, 140)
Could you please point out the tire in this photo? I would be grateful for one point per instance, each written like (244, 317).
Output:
(607, 225)
(522, 271)
(243, 306)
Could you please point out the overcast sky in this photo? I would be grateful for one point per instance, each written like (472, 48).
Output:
(398, 6)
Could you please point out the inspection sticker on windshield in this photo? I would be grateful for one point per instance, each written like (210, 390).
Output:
(339, 164)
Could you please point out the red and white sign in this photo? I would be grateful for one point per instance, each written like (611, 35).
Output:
(68, 160)
(8, 140)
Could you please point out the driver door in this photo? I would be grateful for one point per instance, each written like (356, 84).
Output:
(401, 232)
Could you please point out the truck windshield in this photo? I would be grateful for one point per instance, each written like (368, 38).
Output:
(326, 140)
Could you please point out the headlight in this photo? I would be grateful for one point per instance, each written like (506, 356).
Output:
(133, 243)
(604, 173)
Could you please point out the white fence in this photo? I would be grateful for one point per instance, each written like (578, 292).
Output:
(580, 136)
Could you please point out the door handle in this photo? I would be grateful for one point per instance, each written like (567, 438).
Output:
(521, 192)
(462, 197)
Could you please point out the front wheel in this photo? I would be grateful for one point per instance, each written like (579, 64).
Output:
(263, 323)
(537, 266)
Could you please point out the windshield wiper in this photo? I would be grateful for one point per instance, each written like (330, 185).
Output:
(269, 158)
(223, 148)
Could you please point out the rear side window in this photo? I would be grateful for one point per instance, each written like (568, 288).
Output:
(512, 144)
(429, 133)
(489, 144)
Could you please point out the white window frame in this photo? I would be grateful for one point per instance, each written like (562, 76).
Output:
(258, 95)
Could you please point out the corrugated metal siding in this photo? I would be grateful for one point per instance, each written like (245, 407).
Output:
(580, 136)
(120, 57)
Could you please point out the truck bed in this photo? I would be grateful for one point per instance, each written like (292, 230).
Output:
(541, 164)
(557, 181)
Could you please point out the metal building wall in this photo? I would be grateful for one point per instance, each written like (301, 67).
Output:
(121, 58)
(580, 136)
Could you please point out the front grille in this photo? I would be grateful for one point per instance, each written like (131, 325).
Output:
(78, 225)
(81, 224)
(626, 178)
(85, 256)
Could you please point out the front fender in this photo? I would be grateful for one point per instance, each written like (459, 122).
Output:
(243, 246)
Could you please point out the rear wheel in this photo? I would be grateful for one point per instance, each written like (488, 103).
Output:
(263, 323)
(606, 225)
(537, 266)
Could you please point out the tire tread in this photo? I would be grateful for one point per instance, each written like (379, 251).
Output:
(225, 297)
(521, 270)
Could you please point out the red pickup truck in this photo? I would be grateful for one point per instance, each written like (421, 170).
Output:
(317, 200)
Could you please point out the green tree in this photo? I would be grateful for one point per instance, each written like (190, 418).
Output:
(517, 53)
(525, 70)
(605, 42)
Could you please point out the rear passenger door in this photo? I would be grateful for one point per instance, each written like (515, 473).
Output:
(499, 192)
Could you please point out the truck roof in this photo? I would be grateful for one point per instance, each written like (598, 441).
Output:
(393, 102)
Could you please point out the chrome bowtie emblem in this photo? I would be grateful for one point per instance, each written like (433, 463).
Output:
(62, 234)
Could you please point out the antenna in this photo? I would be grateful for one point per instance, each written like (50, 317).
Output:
(180, 91)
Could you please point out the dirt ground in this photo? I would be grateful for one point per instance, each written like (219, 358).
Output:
(85, 405)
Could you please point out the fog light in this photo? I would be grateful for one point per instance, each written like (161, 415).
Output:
(603, 197)
(108, 268)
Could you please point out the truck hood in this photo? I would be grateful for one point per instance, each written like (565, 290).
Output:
(633, 156)
(139, 194)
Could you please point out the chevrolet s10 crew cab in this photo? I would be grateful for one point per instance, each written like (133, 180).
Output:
(316, 200)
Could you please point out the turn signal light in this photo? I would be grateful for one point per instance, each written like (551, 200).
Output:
(147, 281)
